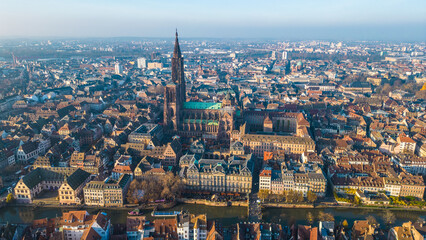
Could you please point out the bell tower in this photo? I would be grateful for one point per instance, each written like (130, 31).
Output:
(178, 75)
(175, 92)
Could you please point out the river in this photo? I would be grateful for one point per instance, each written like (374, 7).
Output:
(226, 215)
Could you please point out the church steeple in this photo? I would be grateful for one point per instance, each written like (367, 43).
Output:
(175, 94)
(178, 76)
(176, 52)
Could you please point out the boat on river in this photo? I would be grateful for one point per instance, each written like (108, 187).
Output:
(156, 213)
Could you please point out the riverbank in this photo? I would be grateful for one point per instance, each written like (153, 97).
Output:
(127, 207)
(345, 206)
(286, 205)
(227, 216)
(180, 201)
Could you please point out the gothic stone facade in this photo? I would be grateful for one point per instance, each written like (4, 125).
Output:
(193, 119)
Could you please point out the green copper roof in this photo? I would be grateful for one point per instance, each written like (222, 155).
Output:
(202, 105)
(204, 121)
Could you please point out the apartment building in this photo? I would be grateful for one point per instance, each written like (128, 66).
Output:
(265, 179)
(108, 193)
(76, 225)
(71, 190)
(192, 227)
(217, 175)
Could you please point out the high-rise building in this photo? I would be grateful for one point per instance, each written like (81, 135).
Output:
(141, 63)
(118, 68)
(284, 55)
(274, 55)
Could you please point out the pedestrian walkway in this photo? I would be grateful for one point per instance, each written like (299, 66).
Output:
(254, 208)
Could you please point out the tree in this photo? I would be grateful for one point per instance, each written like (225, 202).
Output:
(281, 196)
(311, 196)
(152, 188)
(9, 198)
(289, 195)
(371, 220)
(322, 216)
(299, 197)
(263, 194)
(132, 192)
(357, 200)
(345, 224)
(294, 197)
(386, 89)
(389, 217)
(310, 218)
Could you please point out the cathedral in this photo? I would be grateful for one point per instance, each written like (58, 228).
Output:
(211, 121)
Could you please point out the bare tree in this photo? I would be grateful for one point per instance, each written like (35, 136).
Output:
(311, 196)
(154, 188)
(388, 217)
(322, 216)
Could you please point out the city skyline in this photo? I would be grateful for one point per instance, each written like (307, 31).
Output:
(212, 120)
(304, 20)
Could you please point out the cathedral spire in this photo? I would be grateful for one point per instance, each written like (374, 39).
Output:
(176, 52)
(175, 95)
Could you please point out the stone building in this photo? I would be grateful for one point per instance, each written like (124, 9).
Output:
(108, 193)
(209, 120)
(169, 153)
(149, 166)
(192, 227)
(217, 175)
(91, 163)
(35, 182)
(274, 121)
(71, 190)
(411, 185)
(146, 133)
(257, 144)
(77, 225)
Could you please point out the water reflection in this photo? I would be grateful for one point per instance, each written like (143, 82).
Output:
(227, 215)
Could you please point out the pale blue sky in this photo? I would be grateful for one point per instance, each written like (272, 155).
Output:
(296, 19)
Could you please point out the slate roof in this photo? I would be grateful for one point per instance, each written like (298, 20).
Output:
(77, 178)
(234, 165)
(110, 184)
(29, 147)
(124, 180)
(38, 175)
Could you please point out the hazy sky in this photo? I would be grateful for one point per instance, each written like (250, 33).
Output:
(296, 19)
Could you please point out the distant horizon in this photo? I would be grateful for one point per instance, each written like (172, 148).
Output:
(230, 38)
(330, 20)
